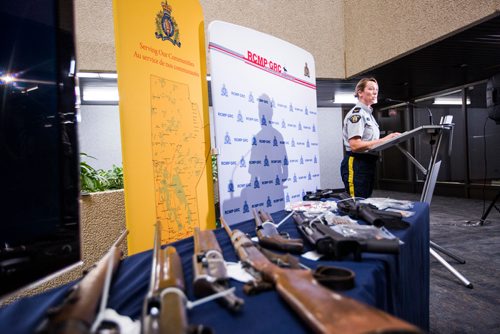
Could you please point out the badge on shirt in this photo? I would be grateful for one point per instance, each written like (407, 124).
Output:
(354, 118)
(356, 110)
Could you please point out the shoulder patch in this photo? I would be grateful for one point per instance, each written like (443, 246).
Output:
(354, 118)
(356, 110)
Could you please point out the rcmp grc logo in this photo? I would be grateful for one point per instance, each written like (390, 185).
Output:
(166, 27)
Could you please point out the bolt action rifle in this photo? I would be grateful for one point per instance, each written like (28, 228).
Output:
(209, 269)
(269, 237)
(324, 311)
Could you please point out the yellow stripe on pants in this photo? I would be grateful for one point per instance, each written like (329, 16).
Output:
(350, 179)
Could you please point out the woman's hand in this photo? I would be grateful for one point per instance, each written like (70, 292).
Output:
(391, 135)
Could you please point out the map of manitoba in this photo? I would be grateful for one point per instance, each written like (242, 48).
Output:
(178, 157)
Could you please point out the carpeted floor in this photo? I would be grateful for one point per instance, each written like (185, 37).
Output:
(455, 308)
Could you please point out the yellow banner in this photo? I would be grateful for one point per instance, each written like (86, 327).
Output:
(161, 64)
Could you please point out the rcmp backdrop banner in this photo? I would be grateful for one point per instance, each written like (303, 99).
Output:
(264, 101)
(161, 63)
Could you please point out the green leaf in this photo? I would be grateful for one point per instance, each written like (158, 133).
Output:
(93, 180)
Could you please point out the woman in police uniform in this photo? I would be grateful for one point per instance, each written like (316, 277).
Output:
(360, 132)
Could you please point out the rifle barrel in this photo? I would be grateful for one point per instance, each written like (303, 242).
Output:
(120, 238)
(156, 256)
(256, 216)
(226, 227)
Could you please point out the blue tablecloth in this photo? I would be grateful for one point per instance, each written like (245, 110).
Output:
(398, 284)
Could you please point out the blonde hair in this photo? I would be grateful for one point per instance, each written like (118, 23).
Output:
(362, 84)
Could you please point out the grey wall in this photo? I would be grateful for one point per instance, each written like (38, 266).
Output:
(99, 135)
(330, 147)
(345, 37)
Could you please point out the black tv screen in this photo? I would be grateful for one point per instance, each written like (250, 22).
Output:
(39, 160)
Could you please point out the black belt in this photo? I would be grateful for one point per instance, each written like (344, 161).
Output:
(334, 278)
(363, 156)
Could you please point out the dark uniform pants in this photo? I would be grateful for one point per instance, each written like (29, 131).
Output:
(358, 173)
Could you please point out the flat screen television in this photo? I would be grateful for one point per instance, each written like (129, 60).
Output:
(39, 158)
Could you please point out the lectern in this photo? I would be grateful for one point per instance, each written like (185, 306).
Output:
(435, 135)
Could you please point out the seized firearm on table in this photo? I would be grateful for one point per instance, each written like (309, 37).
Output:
(269, 237)
(78, 311)
(164, 309)
(328, 242)
(322, 310)
(209, 270)
(369, 213)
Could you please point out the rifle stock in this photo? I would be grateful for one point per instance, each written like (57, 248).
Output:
(329, 312)
(269, 237)
(322, 310)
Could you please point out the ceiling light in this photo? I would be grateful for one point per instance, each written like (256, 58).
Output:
(344, 98)
(100, 94)
(449, 100)
(108, 75)
(6, 79)
(87, 75)
(96, 75)
(72, 67)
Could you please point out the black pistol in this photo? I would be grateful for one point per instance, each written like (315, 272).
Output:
(333, 244)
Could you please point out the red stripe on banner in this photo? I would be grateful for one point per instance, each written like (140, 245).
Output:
(224, 50)
(285, 76)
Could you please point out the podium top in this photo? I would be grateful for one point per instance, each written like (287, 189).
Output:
(424, 129)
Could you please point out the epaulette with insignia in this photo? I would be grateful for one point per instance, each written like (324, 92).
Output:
(356, 110)
(354, 118)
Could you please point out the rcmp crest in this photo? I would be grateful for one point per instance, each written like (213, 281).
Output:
(354, 118)
(166, 27)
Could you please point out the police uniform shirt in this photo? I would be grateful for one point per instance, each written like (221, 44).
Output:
(359, 121)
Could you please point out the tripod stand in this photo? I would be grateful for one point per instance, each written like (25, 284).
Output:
(491, 206)
(435, 134)
(430, 182)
